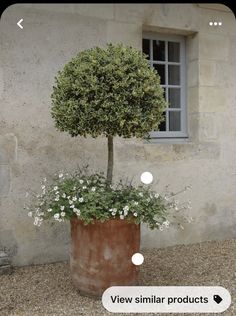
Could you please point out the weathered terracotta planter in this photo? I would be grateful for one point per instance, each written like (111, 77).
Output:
(101, 255)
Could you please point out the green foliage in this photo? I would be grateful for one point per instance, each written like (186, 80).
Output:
(111, 91)
(89, 197)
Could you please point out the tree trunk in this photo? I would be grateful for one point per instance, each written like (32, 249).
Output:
(110, 159)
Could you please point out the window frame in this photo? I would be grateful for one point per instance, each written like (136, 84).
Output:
(183, 73)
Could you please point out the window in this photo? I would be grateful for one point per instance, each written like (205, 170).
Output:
(166, 54)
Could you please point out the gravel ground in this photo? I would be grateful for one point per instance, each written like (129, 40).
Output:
(46, 290)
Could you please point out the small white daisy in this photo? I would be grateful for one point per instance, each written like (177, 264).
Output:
(30, 214)
(74, 198)
(93, 189)
(81, 181)
(72, 206)
(62, 208)
(49, 210)
(60, 175)
(81, 200)
(122, 217)
(55, 188)
(63, 214)
(64, 195)
(56, 216)
(135, 214)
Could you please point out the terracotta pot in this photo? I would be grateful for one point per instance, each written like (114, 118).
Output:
(101, 255)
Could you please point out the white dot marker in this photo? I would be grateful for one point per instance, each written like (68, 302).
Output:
(210, 23)
(146, 177)
(137, 259)
(215, 23)
(220, 23)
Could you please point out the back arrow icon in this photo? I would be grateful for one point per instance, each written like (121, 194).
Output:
(19, 23)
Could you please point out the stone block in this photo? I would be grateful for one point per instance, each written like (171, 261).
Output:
(4, 180)
(8, 148)
(207, 73)
(192, 73)
(192, 47)
(127, 33)
(4, 259)
(6, 269)
(208, 127)
(193, 100)
(213, 46)
(212, 99)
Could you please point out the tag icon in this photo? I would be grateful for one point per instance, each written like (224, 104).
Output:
(217, 299)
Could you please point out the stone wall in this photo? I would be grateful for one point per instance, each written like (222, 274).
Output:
(31, 148)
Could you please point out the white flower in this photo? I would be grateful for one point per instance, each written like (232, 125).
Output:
(43, 192)
(43, 187)
(41, 203)
(63, 214)
(60, 175)
(111, 210)
(81, 200)
(70, 202)
(44, 179)
(38, 221)
(74, 198)
(161, 228)
(166, 223)
(156, 195)
(140, 194)
(166, 198)
(77, 211)
(72, 206)
(68, 197)
(55, 188)
(125, 213)
(113, 213)
(57, 198)
(135, 214)
(62, 208)
(84, 187)
(30, 214)
(74, 188)
(81, 181)
(57, 192)
(64, 195)
(49, 210)
(56, 216)
(122, 217)
(93, 189)
(126, 208)
(135, 203)
(115, 210)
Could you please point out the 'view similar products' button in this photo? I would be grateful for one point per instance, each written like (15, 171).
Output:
(166, 299)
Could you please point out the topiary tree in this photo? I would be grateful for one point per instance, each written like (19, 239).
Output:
(110, 92)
